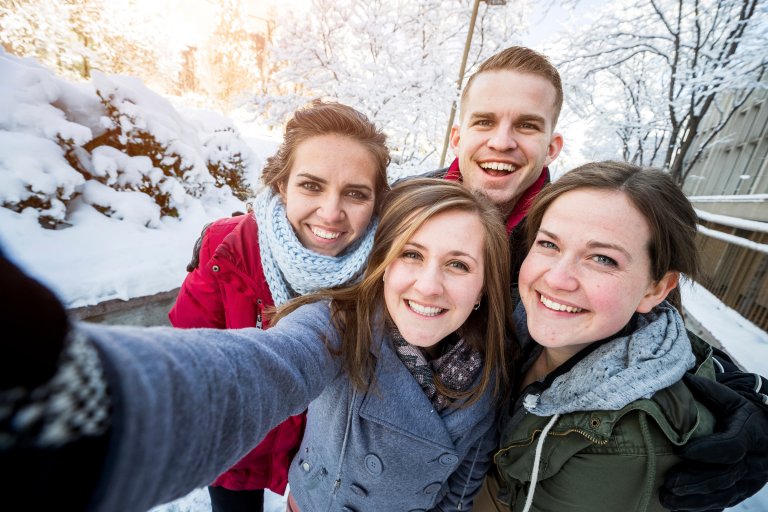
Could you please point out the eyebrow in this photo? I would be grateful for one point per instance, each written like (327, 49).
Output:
(482, 115)
(452, 253)
(532, 117)
(594, 244)
(324, 181)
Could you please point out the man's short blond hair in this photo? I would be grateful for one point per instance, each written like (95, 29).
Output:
(522, 60)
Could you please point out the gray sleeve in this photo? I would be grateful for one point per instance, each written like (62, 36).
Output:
(189, 403)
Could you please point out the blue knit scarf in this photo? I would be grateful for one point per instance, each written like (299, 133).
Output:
(290, 268)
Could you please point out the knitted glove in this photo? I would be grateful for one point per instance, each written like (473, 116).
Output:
(54, 400)
(730, 465)
(34, 327)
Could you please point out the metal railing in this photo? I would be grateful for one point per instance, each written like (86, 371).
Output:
(734, 262)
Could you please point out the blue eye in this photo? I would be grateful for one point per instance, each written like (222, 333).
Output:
(413, 255)
(460, 265)
(605, 260)
(546, 244)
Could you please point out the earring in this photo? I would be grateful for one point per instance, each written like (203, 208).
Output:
(477, 306)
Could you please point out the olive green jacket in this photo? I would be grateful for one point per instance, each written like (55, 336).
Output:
(605, 460)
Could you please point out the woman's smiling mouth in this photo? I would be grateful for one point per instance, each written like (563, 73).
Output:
(324, 233)
(423, 310)
(556, 306)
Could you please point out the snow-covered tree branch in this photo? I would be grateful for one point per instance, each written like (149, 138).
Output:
(652, 70)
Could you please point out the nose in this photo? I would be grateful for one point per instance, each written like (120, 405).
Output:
(429, 281)
(331, 209)
(502, 138)
(561, 275)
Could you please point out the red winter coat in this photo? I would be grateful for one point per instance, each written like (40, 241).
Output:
(228, 290)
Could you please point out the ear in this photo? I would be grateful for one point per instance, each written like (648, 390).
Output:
(281, 190)
(454, 140)
(658, 291)
(554, 148)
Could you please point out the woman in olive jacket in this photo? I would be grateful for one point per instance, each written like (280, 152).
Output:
(601, 401)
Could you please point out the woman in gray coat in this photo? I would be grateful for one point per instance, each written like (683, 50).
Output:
(401, 373)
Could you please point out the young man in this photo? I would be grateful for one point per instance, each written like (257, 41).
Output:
(506, 134)
(503, 144)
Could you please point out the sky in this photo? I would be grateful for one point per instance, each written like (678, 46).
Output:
(101, 258)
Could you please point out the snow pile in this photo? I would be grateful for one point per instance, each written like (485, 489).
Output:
(123, 181)
(112, 145)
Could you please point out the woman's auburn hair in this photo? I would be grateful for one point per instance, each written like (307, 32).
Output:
(327, 118)
(358, 310)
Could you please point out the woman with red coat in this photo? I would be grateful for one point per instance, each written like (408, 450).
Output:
(311, 228)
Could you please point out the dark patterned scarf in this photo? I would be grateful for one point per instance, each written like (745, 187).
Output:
(456, 368)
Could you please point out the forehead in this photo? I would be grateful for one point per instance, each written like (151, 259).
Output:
(333, 155)
(607, 216)
(451, 230)
(503, 92)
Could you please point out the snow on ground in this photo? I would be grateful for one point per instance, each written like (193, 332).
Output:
(741, 339)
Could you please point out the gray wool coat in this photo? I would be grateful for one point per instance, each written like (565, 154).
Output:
(187, 404)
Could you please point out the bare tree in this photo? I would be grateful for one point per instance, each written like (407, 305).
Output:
(671, 61)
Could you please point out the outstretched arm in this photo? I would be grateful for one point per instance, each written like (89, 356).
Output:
(730, 465)
(181, 405)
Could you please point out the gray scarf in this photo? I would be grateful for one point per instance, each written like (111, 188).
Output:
(655, 355)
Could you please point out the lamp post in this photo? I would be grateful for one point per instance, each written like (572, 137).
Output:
(467, 44)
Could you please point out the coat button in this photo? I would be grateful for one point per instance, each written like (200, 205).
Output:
(358, 490)
(215, 268)
(373, 464)
(305, 466)
(448, 459)
(594, 422)
(433, 488)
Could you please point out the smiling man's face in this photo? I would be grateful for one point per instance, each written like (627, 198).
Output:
(506, 134)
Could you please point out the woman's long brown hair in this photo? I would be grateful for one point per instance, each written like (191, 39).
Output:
(358, 310)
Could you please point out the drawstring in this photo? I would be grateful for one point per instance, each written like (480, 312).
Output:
(651, 465)
(469, 476)
(337, 482)
(537, 461)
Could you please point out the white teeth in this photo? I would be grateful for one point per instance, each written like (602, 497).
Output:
(424, 310)
(328, 235)
(498, 166)
(559, 307)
